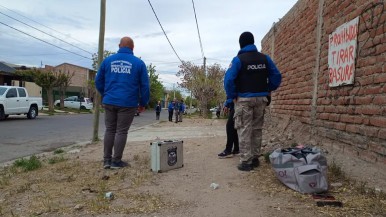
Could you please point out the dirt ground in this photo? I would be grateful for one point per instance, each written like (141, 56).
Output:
(76, 184)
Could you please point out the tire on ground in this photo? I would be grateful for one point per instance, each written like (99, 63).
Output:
(32, 113)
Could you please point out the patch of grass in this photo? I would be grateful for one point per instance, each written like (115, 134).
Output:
(336, 171)
(23, 188)
(56, 159)
(293, 145)
(266, 157)
(30, 164)
(58, 151)
(136, 157)
(145, 203)
(4, 181)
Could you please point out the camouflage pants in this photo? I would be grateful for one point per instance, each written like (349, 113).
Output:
(249, 120)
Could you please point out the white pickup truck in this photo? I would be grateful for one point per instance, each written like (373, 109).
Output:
(15, 101)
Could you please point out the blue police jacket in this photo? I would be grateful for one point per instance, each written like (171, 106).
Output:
(122, 80)
(274, 76)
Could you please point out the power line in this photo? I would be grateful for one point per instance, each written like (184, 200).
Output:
(46, 33)
(198, 30)
(164, 31)
(43, 25)
(45, 41)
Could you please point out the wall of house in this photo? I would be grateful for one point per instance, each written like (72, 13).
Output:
(80, 77)
(32, 88)
(79, 81)
(352, 116)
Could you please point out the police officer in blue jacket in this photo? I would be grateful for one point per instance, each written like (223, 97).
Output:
(249, 81)
(123, 82)
(171, 109)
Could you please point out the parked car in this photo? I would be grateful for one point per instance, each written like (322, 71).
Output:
(16, 101)
(76, 103)
(214, 109)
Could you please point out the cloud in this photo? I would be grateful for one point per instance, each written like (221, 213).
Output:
(220, 24)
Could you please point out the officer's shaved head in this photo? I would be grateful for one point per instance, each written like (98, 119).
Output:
(126, 42)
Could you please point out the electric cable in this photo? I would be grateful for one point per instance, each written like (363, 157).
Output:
(45, 25)
(46, 33)
(164, 31)
(198, 30)
(44, 41)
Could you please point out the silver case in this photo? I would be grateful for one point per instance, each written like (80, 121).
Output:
(166, 155)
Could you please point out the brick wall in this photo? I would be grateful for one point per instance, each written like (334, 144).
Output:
(354, 115)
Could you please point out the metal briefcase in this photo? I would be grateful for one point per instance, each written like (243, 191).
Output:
(166, 155)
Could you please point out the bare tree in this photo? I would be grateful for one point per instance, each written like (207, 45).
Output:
(63, 82)
(206, 85)
(47, 80)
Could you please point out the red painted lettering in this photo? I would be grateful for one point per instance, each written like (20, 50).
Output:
(351, 53)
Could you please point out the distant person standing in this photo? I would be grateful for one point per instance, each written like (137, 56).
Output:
(249, 81)
(218, 111)
(157, 110)
(123, 82)
(171, 109)
(232, 137)
(176, 110)
(181, 110)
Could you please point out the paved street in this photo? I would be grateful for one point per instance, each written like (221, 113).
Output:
(20, 136)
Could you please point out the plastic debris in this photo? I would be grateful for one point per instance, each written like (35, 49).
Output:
(109, 195)
(214, 185)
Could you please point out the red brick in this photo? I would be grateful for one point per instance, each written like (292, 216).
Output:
(379, 100)
(370, 131)
(368, 110)
(351, 119)
(333, 117)
(339, 126)
(380, 49)
(382, 134)
(378, 121)
(368, 156)
(381, 78)
(363, 100)
(377, 148)
(352, 128)
(373, 90)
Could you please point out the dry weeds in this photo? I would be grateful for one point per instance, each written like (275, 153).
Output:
(357, 198)
(76, 188)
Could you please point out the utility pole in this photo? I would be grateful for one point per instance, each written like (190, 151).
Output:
(174, 92)
(191, 99)
(97, 100)
(205, 65)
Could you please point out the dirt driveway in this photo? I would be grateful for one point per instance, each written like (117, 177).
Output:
(73, 183)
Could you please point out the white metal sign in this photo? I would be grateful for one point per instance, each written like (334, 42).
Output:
(342, 54)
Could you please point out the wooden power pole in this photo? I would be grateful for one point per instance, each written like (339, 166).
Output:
(97, 100)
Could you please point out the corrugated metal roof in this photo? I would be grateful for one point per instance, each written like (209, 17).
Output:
(5, 68)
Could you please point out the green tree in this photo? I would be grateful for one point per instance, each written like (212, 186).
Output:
(156, 87)
(45, 79)
(94, 58)
(188, 99)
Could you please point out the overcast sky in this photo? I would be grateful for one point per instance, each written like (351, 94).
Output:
(75, 24)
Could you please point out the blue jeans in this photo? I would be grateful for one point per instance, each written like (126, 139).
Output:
(118, 121)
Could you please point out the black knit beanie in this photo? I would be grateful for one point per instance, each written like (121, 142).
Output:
(246, 38)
